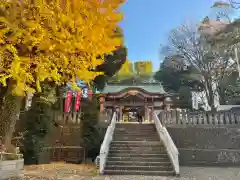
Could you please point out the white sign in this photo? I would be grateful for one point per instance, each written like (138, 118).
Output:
(85, 92)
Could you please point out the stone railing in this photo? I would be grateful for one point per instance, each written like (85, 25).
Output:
(106, 143)
(181, 117)
(168, 143)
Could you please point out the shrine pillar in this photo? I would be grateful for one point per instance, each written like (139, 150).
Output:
(121, 114)
(146, 113)
(102, 100)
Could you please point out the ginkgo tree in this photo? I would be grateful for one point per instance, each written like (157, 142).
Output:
(57, 41)
(125, 72)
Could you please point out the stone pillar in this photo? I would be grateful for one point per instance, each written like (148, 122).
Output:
(152, 113)
(167, 107)
(146, 114)
(102, 100)
(116, 110)
(167, 103)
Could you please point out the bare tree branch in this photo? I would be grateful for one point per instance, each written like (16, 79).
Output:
(211, 64)
(234, 4)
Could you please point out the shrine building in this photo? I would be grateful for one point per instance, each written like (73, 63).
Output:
(134, 96)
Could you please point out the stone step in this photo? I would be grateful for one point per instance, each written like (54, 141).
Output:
(135, 138)
(139, 158)
(137, 151)
(121, 124)
(136, 143)
(144, 173)
(140, 168)
(130, 155)
(135, 129)
(135, 132)
(150, 133)
(138, 163)
(136, 148)
(131, 125)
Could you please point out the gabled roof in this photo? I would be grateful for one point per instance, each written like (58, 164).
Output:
(137, 82)
(150, 88)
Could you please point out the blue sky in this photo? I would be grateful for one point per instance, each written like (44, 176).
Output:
(147, 23)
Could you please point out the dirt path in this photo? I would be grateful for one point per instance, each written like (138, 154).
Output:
(88, 172)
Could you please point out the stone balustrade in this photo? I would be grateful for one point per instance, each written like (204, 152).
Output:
(176, 117)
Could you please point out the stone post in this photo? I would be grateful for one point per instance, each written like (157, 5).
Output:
(167, 107)
(167, 103)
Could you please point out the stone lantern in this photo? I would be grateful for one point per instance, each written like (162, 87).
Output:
(167, 103)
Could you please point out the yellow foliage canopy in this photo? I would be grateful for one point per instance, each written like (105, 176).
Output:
(143, 67)
(55, 40)
(126, 70)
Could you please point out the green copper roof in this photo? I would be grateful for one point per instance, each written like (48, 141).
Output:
(151, 88)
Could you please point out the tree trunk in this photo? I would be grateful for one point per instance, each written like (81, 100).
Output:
(210, 93)
(9, 114)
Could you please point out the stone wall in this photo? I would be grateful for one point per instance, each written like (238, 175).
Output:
(207, 145)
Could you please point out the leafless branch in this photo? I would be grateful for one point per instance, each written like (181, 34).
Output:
(211, 64)
(234, 4)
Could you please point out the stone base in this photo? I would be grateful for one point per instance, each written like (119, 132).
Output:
(11, 169)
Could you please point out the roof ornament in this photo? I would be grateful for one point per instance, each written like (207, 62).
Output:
(133, 92)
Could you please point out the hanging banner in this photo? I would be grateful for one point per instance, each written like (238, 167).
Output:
(68, 102)
(77, 101)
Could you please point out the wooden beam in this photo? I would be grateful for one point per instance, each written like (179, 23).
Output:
(107, 103)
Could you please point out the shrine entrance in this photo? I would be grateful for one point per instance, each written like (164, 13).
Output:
(133, 114)
(133, 101)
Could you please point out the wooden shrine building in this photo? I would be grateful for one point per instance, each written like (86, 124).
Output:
(134, 95)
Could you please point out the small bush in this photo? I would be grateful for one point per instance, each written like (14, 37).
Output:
(7, 157)
(36, 123)
(92, 135)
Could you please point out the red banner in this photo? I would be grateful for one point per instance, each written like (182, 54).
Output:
(68, 102)
(77, 101)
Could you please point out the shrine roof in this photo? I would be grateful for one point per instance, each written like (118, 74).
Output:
(150, 88)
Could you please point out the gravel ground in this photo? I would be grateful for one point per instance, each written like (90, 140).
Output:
(88, 172)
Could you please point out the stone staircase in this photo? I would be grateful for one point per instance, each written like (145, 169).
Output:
(137, 150)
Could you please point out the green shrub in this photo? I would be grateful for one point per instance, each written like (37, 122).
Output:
(36, 128)
(37, 121)
(91, 133)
